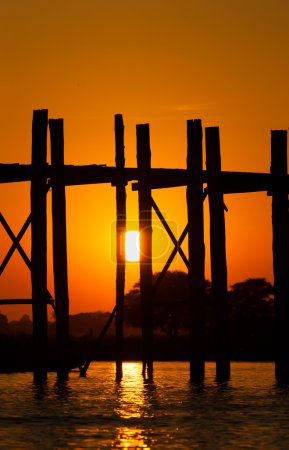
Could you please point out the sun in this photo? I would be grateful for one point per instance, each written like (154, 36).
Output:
(132, 249)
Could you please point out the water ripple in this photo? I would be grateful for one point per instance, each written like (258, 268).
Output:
(248, 412)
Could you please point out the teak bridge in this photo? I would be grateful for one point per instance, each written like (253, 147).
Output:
(212, 182)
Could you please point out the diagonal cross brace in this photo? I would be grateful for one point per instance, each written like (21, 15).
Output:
(176, 249)
(169, 231)
(170, 260)
(16, 245)
(16, 242)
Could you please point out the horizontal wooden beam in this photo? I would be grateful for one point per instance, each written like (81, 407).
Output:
(22, 301)
(77, 175)
(228, 182)
(11, 173)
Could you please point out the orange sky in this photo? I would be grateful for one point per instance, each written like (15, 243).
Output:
(155, 61)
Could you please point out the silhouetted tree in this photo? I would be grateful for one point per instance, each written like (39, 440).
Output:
(251, 298)
(170, 303)
(25, 318)
(251, 309)
(254, 289)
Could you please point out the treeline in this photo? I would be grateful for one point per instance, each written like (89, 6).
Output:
(250, 303)
(250, 310)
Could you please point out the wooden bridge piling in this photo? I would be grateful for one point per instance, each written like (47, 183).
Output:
(196, 249)
(57, 175)
(218, 253)
(145, 228)
(39, 243)
(280, 252)
(120, 239)
(59, 247)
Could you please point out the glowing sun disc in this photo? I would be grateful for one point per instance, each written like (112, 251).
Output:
(132, 246)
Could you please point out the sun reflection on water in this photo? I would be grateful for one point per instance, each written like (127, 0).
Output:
(130, 438)
(135, 399)
(134, 393)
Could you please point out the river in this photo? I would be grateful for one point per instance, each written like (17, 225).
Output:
(249, 412)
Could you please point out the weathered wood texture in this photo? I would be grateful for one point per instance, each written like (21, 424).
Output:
(120, 239)
(280, 252)
(59, 247)
(218, 253)
(196, 248)
(145, 228)
(39, 243)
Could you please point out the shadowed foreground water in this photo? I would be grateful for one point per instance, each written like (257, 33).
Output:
(250, 411)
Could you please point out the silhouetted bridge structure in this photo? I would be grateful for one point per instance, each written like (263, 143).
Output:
(212, 182)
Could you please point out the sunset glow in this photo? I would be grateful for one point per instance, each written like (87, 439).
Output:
(132, 249)
(144, 249)
(154, 62)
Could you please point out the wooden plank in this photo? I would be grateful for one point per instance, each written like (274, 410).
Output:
(228, 182)
(145, 228)
(38, 243)
(196, 249)
(11, 173)
(218, 253)
(120, 239)
(280, 252)
(59, 247)
(22, 301)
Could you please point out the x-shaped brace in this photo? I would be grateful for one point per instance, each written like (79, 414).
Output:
(16, 245)
(16, 242)
(177, 244)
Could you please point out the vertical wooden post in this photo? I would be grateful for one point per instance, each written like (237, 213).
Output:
(145, 228)
(218, 253)
(59, 246)
(196, 248)
(120, 239)
(280, 252)
(39, 243)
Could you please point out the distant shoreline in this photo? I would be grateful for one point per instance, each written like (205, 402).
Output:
(16, 353)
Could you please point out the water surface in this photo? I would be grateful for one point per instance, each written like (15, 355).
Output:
(250, 411)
